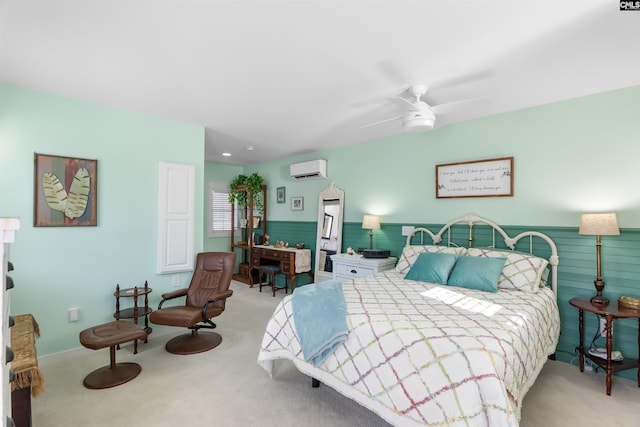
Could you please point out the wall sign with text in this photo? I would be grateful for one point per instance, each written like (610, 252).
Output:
(479, 178)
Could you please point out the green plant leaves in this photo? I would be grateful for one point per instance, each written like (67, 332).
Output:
(243, 188)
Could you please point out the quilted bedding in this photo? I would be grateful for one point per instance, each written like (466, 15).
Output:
(425, 354)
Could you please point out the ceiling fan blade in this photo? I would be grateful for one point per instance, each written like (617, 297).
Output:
(451, 106)
(461, 79)
(380, 122)
(402, 103)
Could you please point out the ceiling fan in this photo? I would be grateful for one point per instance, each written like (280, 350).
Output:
(418, 115)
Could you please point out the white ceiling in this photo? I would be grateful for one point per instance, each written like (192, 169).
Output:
(291, 77)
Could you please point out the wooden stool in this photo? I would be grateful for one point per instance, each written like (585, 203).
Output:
(270, 272)
(110, 335)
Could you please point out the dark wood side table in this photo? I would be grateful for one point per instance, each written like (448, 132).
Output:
(134, 312)
(610, 312)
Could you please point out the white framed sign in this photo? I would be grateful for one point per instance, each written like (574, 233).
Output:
(478, 178)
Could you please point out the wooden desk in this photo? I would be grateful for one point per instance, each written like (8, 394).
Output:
(292, 261)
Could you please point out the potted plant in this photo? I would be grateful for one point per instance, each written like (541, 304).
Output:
(243, 187)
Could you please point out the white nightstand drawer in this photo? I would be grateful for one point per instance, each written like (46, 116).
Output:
(352, 271)
(347, 267)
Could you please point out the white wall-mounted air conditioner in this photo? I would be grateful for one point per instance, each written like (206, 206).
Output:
(312, 169)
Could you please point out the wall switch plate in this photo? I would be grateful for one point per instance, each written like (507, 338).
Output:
(175, 281)
(407, 230)
(73, 314)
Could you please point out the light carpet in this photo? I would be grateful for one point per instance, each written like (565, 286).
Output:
(226, 387)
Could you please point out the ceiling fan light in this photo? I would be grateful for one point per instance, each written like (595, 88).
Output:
(419, 122)
(419, 125)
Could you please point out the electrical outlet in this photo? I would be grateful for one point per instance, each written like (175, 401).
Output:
(175, 281)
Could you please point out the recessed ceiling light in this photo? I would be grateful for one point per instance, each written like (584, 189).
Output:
(226, 154)
(249, 148)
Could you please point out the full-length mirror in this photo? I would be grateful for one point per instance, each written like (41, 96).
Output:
(329, 237)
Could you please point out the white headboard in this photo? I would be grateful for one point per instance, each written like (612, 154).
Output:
(510, 242)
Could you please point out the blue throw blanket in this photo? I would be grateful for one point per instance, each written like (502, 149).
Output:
(320, 316)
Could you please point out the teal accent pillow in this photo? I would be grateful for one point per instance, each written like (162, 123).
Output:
(481, 273)
(432, 267)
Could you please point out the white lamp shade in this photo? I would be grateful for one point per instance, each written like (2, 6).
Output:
(603, 224)
(371, 222)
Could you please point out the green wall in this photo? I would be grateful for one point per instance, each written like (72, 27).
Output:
(570, 157)
(57, 268)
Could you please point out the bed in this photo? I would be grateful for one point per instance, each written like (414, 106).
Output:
(427, 343)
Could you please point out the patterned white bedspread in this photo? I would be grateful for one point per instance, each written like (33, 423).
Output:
(421, 354)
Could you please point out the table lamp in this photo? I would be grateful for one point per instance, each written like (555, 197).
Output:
(599, 224)
(371, 222)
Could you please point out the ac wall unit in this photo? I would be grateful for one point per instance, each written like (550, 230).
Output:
(312, 169)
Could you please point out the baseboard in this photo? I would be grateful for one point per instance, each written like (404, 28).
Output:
(63, 355)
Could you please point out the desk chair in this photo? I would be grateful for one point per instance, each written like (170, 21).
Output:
(270, 272)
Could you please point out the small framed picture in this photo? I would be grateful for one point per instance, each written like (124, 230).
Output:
(280, 195)
(297, 204)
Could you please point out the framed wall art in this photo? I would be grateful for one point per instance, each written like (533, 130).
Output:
(280, 195)
(65, 191)
(297, 204)
(479, 178)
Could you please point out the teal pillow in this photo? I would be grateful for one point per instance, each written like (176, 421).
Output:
(432, 267)
(481, 273)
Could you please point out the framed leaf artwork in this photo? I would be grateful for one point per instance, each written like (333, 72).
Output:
(65, 191)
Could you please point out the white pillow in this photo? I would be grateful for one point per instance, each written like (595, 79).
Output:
(521, 271)
(410, 254)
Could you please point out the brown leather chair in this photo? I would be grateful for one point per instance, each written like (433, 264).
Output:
(205, 298)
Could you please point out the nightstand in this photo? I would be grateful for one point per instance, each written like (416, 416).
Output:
(351, 266)
(610, 312)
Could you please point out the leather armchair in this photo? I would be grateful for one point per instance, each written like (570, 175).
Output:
(205, 298)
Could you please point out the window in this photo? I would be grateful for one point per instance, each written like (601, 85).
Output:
(220, 220)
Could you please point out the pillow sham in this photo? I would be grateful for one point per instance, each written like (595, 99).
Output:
(410, 254)
(544, 277)
(481, 273)
(432, 267)
(521, 271)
